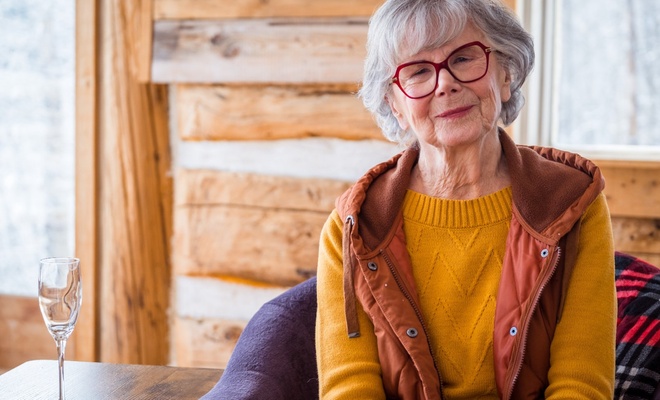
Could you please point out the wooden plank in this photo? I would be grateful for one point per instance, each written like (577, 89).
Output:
(134, 259)
(84, 342)
(259, 50)
(143, 37)
(222, 188)
(158, 102)
(626, 164)
(632, 191)
(214, 9)
(258, 112)
(258, 227)
(205, 343)
(636, 235)
(24, 334)
(267, 245)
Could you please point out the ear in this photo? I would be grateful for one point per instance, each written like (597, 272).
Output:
(403, 123)
(505, 88)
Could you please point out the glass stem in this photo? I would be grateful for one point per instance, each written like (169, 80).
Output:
(61, 345)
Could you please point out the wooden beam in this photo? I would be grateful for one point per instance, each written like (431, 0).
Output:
(143, 19)
(20, 318)
(636, 235)
(633, 191)
(134, 261)
(205, 342)
(258, 112)
(84, 342)
(282, 217)
(217, 188)
(259, 50)
(278, 247)
(214, 9)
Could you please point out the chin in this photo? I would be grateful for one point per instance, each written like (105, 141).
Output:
(455, 137)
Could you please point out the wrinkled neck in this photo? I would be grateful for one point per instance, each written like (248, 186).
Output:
(461, 173)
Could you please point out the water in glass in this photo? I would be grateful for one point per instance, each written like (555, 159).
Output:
(60, 296)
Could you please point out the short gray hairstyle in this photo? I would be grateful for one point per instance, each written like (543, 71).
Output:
(401, 28)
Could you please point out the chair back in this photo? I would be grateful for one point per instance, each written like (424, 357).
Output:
(275, 356)
(638, 329)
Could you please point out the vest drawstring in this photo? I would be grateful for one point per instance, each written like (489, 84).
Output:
(350, 309)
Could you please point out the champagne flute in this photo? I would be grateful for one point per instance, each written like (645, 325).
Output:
(60, 295)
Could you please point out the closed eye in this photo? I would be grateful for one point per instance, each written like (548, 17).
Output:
(461, 60)
(421, 71)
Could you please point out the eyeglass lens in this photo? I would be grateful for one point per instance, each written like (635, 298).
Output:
(465, 64)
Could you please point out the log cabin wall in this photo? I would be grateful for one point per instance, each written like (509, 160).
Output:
(266, 132)
(632, 190)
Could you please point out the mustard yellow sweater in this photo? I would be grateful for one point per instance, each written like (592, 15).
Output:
(456, 249)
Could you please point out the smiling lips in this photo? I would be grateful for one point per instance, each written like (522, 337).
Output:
(456, 112)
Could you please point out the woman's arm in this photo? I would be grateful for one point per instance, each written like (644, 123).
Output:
(348, 368)
(582, 354)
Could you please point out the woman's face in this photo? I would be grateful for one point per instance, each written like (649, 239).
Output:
(455, 114)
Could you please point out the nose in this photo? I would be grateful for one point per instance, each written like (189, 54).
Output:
(446, 83)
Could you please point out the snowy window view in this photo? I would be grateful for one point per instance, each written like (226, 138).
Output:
(36, 138)
(608, 80)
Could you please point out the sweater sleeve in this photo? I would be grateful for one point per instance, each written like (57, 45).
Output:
(582, 354)
(348, 368)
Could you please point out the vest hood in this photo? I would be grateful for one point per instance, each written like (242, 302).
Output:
(550, 187)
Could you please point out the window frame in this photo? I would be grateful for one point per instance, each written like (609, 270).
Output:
(537, 122)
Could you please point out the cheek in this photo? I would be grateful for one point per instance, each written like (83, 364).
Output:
(495, 97)
(491, 106)
(489, 101)
(417, 113)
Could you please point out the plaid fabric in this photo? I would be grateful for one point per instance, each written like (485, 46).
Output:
(638, 328)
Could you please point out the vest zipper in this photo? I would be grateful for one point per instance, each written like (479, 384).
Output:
(390, 265)
(537, 298)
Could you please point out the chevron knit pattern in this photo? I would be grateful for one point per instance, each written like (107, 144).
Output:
(457, 249)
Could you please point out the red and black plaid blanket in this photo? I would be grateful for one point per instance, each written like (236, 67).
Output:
(638, 328)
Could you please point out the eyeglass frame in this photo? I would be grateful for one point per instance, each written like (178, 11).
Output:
(443, 65)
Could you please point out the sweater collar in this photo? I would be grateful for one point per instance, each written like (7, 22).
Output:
(551, 189)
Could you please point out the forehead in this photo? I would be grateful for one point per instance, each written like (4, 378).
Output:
(414, 46)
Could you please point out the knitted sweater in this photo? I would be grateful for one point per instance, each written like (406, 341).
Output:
(456, 250)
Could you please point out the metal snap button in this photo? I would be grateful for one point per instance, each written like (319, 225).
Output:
(513, 331)
(412, 332)
(372, 266)
(544, 253)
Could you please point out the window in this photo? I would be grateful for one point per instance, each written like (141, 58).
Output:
(36, 138)
(596, 87)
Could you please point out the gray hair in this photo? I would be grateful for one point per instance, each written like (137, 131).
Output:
(401, 28)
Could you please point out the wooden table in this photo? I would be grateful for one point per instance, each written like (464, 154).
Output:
(36, 380)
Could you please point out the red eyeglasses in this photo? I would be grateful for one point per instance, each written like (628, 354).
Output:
(466, 64)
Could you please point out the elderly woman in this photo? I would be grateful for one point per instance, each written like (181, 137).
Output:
(467, 266)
